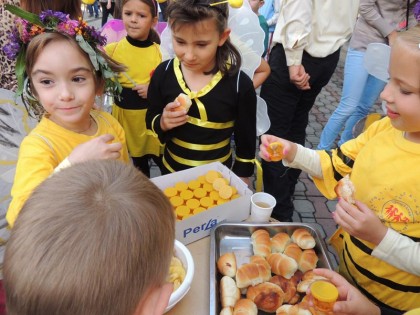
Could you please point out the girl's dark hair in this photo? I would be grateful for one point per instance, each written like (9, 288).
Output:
(153, 34)
(186, 12)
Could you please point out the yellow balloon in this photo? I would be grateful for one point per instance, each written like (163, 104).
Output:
(236, 3)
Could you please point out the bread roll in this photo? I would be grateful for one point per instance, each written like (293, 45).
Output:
(260, 261)
(229, 292)
(251, 274)
(345, 189)
(287, 285)
(184, 101)
(288, 309)
(282, 265)
(307, 279)
(226, 264)
(279, 242)
(293, 251)
(226, 311)
(261, 243)
(267, 296)
(308, 260)
(245, 307)
(303, 238)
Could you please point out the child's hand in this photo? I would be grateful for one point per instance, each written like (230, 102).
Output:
(141, 90)
(289, 148)
(99, 148)
(350, 300)
(359, 221)
(172, 118)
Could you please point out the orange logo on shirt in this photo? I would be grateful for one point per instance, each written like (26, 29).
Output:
(397, 214)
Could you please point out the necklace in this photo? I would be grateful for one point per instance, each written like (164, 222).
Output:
(87, 129)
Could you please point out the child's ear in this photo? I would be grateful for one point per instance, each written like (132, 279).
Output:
(155, 301)
(261, 4)
(224, 36)
(155, 21)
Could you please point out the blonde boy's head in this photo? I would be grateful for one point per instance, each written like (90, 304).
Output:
(94, 239)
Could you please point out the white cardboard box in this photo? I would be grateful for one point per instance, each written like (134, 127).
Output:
(199, 225)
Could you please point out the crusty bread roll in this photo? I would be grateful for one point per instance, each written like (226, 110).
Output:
(282, 265)
(308, 260)
(184, 101)
(260, 261)
(293, 251)
(287, 285)
(279, 242)
(261, 243)
(267, 296)
(226, 264)
(303, 238)
(226, 311)
(251, 274)
(229, 292)
(288, 309)
(345, 189)
(245, 307)
(307, 279)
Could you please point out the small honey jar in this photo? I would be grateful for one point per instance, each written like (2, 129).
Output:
(324, 295)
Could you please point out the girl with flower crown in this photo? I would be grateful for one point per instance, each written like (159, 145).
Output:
(379, 239)
(140, 52)
(64, 73)
(207, 69)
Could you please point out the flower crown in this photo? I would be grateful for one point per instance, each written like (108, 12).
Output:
(30, 25)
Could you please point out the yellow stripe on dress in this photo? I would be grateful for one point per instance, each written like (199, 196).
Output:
(194, 163)
(200, 147)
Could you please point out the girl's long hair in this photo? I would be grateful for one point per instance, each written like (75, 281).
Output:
(187, 12)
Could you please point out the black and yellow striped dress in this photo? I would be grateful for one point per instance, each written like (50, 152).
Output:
(226, 106)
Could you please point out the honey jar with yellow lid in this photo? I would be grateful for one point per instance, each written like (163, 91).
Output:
(324, 295)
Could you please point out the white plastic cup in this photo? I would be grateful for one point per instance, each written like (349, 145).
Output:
(262, 205)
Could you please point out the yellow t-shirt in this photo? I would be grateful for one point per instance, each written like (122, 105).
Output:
(46, 146)
(383, 166)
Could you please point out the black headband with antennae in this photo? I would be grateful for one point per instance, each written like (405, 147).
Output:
(205, 4)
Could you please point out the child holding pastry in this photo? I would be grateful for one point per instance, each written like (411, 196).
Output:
(381, 235)
(94, 239)
(63, 70)
(207, 69)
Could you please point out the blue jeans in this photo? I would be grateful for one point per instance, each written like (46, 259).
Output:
(94, 7)
(360, 91)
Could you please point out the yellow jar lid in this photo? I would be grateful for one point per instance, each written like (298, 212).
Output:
(170, 192)
(206, 202)
(200, 193)
(324, 291)
(194, 184)
(416, 311)
(186, 194)
(176, 201)
(192, 203)
(181, 211)
(180, 186)
(198, 210)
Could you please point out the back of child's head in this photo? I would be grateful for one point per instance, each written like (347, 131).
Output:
(92, 239)
(190, 12)
(153, 34)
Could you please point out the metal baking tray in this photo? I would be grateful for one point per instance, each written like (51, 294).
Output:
(236, 237)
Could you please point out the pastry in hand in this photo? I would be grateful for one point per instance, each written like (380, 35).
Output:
(275, 151)
(267, 296)
(184, 101)
(303, 238)
(226, 264)
(345, 189)
(229, 292)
